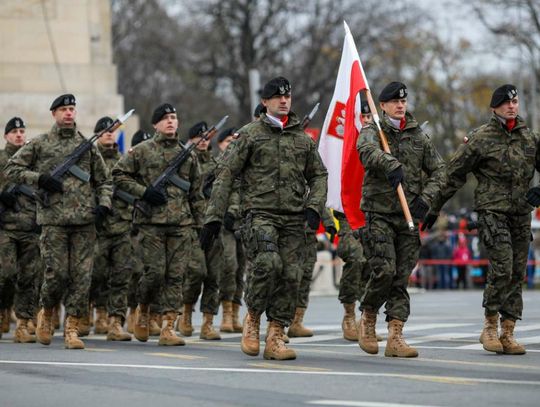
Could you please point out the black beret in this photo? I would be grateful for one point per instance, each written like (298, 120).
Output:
(502, 94)
(161, 111)
(14, 123)
(225, 133)
(138, 137)
(63, 100)
(364, 107)
(277, 86)
(102, 124)
(394, 90)
(259, 109)
(197, 129)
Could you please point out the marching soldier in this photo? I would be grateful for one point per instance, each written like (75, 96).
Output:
(277, 162)
(19, 240)
(67, 219)
(391, 248)
(166, 234)
(502, 154)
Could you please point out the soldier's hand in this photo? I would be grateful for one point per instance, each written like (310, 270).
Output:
(154, 196)
(208, 233)
(332, 231)
(533, 196)
(228, 221)
(313, 219)
(51, 184)
(429, 221)
(101, 213)
(419, 208)
(8, 199)
(395, 177)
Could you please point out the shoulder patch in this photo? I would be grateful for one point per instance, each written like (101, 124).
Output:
(130, 151)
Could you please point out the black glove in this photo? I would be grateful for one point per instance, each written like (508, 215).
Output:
(101, 213)
(313, 218)
(228, 221)
(208, 233)
(50, 184)
(154, 196)
(9, 199)
(332, 231)
(419, 208)
(429, 221)
(395, 177)
(533, 196)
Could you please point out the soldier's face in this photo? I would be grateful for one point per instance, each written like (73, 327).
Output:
(107, 139)
(278, 105)
(395, 108)
(367, 118)
(508, 109)
(225, 143)
(167, 125)
(65, 116)
(16, 137)
(203, 145)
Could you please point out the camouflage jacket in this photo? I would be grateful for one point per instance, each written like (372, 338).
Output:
(24, 218)
(147, 161)
(413, 150)
(503, 163)
(76, 204)
(275, 167)
(120, 220)
(207, 165)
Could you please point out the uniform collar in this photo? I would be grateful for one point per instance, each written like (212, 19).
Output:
(11, 149)
(161, 138)
(108, 152)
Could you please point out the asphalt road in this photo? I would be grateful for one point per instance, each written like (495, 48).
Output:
(452, 369)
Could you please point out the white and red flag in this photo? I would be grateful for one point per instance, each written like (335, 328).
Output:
(339, 134)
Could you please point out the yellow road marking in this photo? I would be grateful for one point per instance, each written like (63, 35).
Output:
(176, 355)
(99, 350)
(442, 379)
(268, 365)
(485, 364)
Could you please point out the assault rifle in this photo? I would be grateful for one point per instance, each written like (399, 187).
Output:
(18, 189)
(309, 117)
(69, 165)
(170, 174)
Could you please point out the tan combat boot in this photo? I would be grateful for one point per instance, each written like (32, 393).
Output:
(21, 332)
(184, 322)
(31, 326)
(237, 325)
(100, 325)
(275, 347)
(367, 337)
(227, 318)
(297, 328)
(141, 329)
(349, 323)
(207, 330)
(115, 331)
(131, 320)
(168, 336)
(509, 344)
(395, 344)
(489, 337)
(153, 324)
(45, 328)
(285, 337)
(250, 334)
(71, 334)
(6, 316)
(56, 316)
(84, 325)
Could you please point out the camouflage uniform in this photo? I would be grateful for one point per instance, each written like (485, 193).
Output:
(167, 237)
(355, 268)
(391, 249)
(68, 232)
(276, 166)
(19, 251)
(503, 162)
(114, 258)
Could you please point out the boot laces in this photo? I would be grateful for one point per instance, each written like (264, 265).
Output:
(252, 327)
(370, 326)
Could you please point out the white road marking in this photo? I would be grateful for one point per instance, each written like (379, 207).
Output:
(351, 403)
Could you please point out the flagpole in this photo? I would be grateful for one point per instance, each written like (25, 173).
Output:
(386, 149)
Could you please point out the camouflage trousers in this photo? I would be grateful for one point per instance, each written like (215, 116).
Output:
(165, 251)
(355, 272)
(275, 248)
(203, 274)
(112, 271)
(392, 252)
(506, 238)
(304, 284)
(68, 256)
(233, 259)
(136, 272)
(20, 267)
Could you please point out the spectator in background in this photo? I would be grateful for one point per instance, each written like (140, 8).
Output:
(461, 257)
(441, 250)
